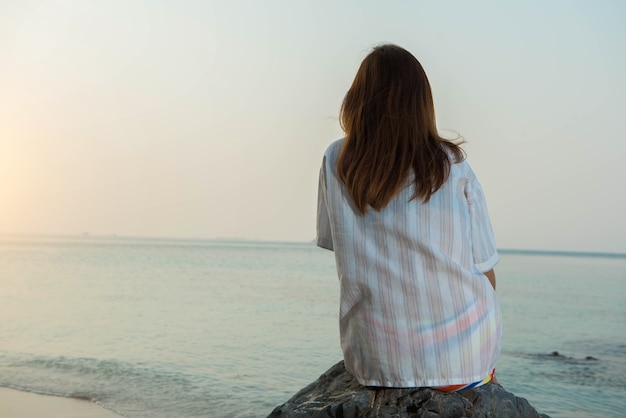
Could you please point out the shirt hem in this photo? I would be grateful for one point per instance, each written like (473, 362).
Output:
(422, 383)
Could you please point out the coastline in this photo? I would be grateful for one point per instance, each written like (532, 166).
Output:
(20, 404)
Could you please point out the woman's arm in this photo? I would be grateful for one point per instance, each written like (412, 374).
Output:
(491, 275)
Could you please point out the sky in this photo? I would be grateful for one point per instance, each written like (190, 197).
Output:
(208, 119)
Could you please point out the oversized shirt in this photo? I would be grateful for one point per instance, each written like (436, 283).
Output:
(416, 309)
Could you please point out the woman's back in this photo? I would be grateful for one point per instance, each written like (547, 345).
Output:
(416, 309)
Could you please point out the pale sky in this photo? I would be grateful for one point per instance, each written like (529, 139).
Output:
(208, 119)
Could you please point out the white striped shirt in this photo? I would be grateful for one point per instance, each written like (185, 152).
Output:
(416, 309)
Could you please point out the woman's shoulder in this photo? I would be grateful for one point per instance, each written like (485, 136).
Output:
(333, 150)
(460, 168)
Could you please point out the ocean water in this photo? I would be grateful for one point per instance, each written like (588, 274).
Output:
(196, 328)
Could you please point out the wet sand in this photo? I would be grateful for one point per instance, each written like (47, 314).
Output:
(17, 404)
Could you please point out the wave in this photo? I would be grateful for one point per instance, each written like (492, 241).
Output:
(131, 389)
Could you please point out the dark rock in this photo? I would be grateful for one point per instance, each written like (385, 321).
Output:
(337, 394)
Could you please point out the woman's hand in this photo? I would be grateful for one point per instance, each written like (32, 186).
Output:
(491, 275)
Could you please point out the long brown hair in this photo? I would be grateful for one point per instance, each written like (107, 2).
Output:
(388, 117)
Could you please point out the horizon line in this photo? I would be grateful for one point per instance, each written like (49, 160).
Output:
(86, 235)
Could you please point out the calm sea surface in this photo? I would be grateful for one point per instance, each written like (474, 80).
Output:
(189, 328)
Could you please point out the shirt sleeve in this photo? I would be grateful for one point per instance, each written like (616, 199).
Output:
(483, 241)
(324, 234)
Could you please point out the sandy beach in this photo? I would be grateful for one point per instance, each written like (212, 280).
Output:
(17, 404)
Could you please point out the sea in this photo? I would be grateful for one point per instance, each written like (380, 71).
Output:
(181, 328)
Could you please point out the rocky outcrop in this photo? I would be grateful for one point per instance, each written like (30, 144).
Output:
(337, 394)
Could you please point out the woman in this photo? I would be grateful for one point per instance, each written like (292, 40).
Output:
(407, 220)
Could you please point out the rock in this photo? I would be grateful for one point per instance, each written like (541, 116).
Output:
(337, 394)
